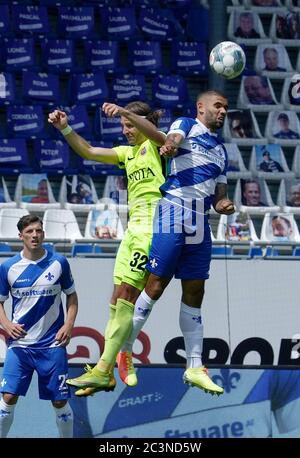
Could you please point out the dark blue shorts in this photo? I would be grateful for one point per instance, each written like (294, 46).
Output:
(181, 243)
(50, 364)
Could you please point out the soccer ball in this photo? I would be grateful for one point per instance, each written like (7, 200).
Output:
(227, 59)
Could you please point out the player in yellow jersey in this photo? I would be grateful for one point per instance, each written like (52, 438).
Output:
(144, 170)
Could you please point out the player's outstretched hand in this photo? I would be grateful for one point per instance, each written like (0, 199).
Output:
(168, 150)
(111, 110)
(58, 119)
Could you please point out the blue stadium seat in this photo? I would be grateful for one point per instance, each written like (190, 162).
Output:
(296, 251)
(255, 252)
(78, 119)
(106, 128)
(84, 248)
(189, 58)
(49, 247)
(94, 168)
(25, 121)
(7, 88)
(145, 56)
(42, 88)
(195, 17)
(221, 251)
(160, 24)
(52, 156)
(58, 55)
(14, 156)
(18, 53)
(30, 20)
(169, 91)
(75, 22)
(165, 120)
(5, 29)
(127, 88)
(88, 88)
(102, 55)
(5, 248)
(118, 23)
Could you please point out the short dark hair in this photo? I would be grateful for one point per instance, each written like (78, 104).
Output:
(143, 109)
(211, 92)
(27, 220)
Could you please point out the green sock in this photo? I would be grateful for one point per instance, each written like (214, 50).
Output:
(118, 332)
(112, 314)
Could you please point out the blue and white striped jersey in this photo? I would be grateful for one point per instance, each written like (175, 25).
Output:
(35, 288)
(201, 163)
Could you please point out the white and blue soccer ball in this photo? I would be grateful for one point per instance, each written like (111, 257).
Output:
(227, 59)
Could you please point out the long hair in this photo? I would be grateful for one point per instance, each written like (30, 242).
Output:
(143, 109)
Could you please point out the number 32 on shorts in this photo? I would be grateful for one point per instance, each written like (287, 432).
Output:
(138, 262)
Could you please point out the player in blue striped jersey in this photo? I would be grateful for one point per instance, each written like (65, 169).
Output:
(38, 333)
(181, 243)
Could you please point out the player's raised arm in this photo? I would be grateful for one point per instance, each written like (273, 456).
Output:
(171, 145)
(145, 126)
(59, 120)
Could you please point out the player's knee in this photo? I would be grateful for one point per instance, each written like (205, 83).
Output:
(128, 292)
(59, 404)
(10, 398)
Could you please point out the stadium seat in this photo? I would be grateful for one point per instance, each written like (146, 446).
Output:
(117, 23)
(5, 27)
(102, 55)
(34, 192)
(61, 225)
(94, 168)
(289, 196)
(165, 120)
(115, 189)
(104, 223)
(267, 8)
(18, 54)
(236, 167)
(30, 20)
(49, 247)
(241, 127)
(25, 121)
(5, 249)
(259, 201)
(82, 248)
(51, 155)
(272, 61)
(237, 227)
(145, 57)
(75, 22)
(283, 127)
(160, 24)
(9, 218)
(196, 16)
(14, 156)
(268, 161)
(127, 88)
(78, 193)
(5, 200)
(88, 88)
(256, 93)
(296, 251)
(58, 55)
(221, 251)
(245, 27)
(78, 119)
(7, 89)
(170, 91)
(290, 95)
(189, 58)
(107, 128)
(279, 227)
(296, 162)
(41, 88)
(255, 252)
(281, 30)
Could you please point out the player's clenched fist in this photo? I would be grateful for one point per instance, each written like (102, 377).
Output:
(58, 119)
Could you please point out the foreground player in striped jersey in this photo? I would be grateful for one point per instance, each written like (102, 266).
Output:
(38, 334)
(181, 243)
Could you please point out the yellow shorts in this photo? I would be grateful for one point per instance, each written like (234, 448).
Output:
(132, 258)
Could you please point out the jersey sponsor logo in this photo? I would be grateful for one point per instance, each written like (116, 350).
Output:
(140, 174)
(33, 292)
(144, 151)
(210, 154)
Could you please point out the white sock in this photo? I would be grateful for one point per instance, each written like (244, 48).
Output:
(142, 309)
(6, 417)
(192, 329)
(64, 420)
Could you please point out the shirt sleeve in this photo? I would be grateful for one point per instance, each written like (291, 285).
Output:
(121, 153)
(67, 282)
(181, 126)
(4, 285)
